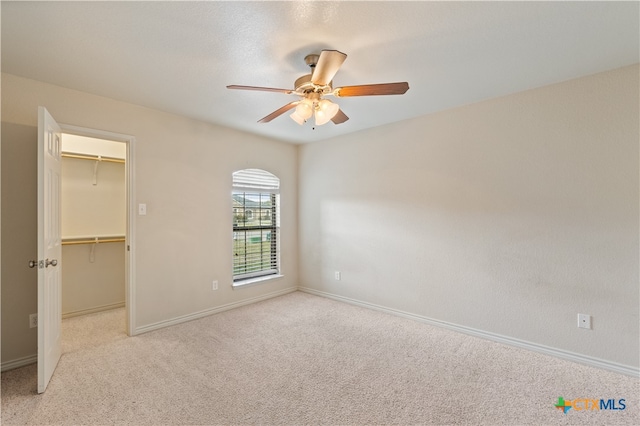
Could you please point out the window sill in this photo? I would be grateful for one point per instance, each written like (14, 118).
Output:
(253, 281)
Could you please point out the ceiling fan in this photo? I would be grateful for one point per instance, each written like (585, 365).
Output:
(313, 87)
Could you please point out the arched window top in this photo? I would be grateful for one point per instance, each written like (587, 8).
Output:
(256, 180)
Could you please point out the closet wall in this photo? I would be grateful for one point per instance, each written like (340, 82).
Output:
(93, 207)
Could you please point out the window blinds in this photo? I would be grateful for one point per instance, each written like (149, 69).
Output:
(256, 180)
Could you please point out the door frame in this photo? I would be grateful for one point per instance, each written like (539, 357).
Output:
(130, 263)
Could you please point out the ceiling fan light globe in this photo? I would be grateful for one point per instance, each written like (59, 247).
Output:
(325, 111)
(297, 118)
(304, 110)
(322, 117)
(333, 110)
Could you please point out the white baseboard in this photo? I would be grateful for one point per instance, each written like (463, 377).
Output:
(558, 353)
(207, 312)
(20, 362)
(93, 310)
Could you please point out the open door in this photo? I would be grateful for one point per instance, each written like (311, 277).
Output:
(49, 248)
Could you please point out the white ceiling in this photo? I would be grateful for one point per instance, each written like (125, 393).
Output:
(180, 56)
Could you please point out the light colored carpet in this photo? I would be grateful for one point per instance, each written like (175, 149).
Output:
(302, 359)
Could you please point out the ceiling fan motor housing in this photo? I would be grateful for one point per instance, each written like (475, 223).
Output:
(304, 85)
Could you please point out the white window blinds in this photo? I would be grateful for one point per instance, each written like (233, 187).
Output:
(256, 180)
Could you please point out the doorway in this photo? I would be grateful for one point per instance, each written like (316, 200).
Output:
(93, 229)
(96, 223)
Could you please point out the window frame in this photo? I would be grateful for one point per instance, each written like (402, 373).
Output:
(251, 185)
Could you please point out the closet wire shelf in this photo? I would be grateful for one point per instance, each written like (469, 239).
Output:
(92, 157)
(94, 240)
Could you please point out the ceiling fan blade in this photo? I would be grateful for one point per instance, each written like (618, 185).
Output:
(373, 89)
(278, 112)
(340, 117)
(261, 89)
(328, 65)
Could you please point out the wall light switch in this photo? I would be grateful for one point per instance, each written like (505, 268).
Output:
(337, 275)
(142, 209)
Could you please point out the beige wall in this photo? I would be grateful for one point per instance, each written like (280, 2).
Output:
(509, 216)
(93, 210)
(90, 286)
(19, 245)
(183, 173)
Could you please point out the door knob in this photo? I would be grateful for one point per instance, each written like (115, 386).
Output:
(52, 262)
(33, 263)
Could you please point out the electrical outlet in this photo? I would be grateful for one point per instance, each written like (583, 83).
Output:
(337, 275)
(584, 321)
(214, 285)
(33, 320)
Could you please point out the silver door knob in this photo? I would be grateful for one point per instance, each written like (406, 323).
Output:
(33, 263)
(52, 262)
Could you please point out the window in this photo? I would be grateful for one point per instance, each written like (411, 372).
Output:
(256, 224)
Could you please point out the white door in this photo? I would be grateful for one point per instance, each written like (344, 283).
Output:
(49, 248)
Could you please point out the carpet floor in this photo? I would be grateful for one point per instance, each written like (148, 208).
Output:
(302, 359)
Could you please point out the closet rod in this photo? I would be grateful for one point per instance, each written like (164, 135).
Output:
(93, 157)
(93, 241)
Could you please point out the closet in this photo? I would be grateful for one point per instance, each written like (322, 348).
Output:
(93, 225)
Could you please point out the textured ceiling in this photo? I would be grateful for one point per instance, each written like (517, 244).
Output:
(179, 56)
